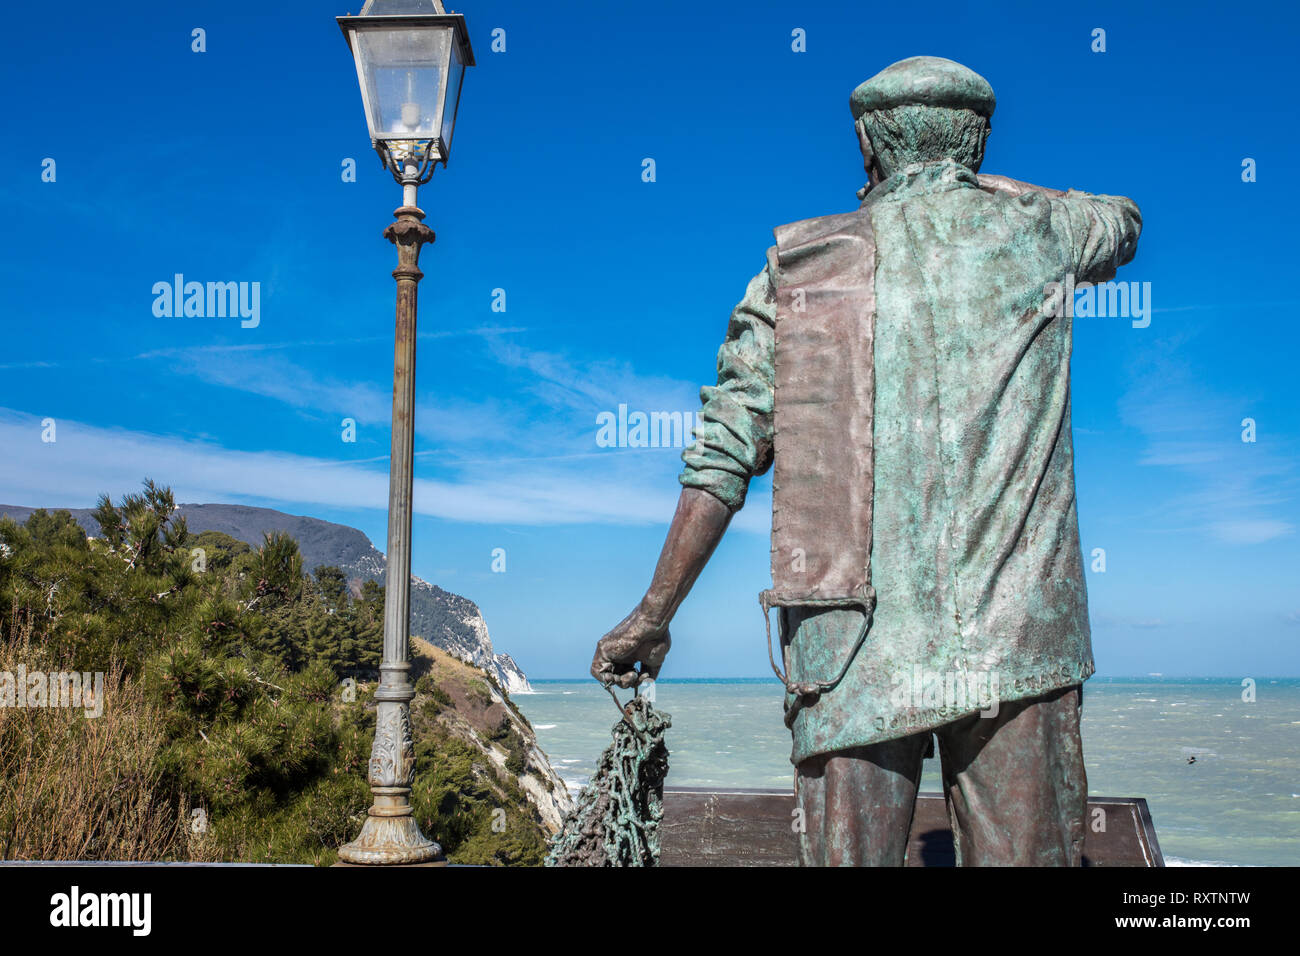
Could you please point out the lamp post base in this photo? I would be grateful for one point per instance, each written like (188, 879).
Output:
(432, 864)
(392, 841)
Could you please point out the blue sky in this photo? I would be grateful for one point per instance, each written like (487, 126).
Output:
(226, 166)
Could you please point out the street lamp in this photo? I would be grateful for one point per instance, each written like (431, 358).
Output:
(411, 56)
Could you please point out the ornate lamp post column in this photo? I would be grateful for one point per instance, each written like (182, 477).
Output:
(410, 58)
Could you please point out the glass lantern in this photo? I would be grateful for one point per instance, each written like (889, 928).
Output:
(410, 57)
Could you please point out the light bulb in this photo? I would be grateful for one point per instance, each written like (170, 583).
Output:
(410, 109)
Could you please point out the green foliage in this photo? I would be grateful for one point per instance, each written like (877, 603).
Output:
(516, 750)
(477, 815)
(516, 756)
(480, 691)
(332, 584)
(242, 656)
(277, 570)
(142, 527)
(92, 602)
(57, 530)
(436, 699)
(220, 550)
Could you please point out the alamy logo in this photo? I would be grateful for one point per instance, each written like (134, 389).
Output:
(74, 908)
(212, 300)
(1085, 300)
(924, 689)
(642, 430)
(32, 689)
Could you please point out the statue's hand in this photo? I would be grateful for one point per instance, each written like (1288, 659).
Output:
(634, 641)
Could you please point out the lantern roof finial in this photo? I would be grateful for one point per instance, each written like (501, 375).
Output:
(397, 8)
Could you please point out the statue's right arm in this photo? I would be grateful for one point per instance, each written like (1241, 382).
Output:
(733, 442)
(642, 637)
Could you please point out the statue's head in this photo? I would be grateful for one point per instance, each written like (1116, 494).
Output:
(921, 109)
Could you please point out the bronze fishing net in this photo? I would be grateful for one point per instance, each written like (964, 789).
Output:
(618, 814)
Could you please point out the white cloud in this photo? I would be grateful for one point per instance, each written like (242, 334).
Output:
(1182, 453)
(536, 404)
(86, 461)
(1115, 622)
(524, 453)
(1251, 532)
(1239, 493)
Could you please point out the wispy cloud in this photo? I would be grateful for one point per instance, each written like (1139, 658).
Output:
(199, 350)
(542, 404)
(1111, 621)
(591, 386)
(86, 461)
(269, 373)
(1251, 532)
(520, 452)
(1235, 305)
(1239, 493)
(197, 353)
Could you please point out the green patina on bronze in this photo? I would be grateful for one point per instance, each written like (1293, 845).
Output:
(924, 81)
(975, 557)
(616, 821)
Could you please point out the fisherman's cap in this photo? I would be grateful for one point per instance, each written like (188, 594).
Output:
(924, 81)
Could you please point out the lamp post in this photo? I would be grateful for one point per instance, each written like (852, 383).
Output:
(410, 56)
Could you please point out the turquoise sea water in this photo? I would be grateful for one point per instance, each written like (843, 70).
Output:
(1238, 804)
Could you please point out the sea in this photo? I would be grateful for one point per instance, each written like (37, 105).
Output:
(1236, 804)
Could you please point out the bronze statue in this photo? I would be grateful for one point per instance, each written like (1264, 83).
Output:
(905, 367)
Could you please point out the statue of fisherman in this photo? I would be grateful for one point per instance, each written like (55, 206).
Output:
(905, 368)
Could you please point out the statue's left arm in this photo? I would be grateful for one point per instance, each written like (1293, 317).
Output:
(1013, 187)
(1103, 230)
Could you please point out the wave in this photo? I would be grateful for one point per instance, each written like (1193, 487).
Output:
(1179, 861)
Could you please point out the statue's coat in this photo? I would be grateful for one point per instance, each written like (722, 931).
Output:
(975, 556)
